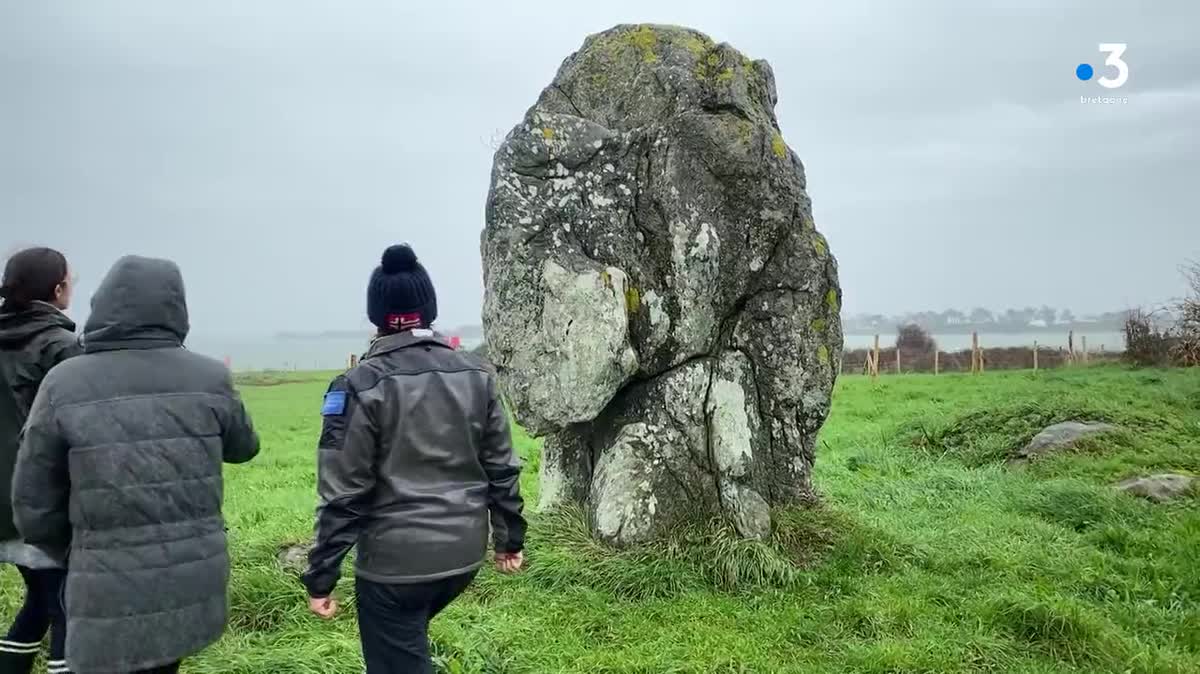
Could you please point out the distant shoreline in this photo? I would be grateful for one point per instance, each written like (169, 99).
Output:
(367, 333)
(856, 331)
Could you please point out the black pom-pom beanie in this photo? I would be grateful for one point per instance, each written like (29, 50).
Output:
(400, 295)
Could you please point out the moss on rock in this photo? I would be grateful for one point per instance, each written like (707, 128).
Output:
(778, 146)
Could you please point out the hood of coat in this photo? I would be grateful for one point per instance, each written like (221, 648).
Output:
(140, 304)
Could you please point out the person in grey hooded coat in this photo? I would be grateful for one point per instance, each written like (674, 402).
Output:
(120, 469)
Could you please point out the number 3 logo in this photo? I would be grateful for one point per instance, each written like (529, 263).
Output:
(1114, 50)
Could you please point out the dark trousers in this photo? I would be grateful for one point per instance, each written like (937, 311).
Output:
(42, 612)
(393, 622)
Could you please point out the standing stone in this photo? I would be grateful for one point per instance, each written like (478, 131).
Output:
(659, 302)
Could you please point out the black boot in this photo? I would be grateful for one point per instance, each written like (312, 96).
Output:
(17, 658)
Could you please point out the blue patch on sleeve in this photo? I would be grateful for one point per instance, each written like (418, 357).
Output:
(335, 404)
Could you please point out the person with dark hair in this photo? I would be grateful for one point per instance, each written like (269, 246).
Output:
(35, 336)
(415, 452)
(121, 465)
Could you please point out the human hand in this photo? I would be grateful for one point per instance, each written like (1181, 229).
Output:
(509, 562)
(325, 607)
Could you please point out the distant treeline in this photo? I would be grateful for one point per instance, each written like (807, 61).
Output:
(986, 320)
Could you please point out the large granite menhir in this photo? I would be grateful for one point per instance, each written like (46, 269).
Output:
(659, 302)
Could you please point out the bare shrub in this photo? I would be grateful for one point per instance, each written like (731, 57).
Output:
(1147, 342)
(912, 338)
(1186, 351)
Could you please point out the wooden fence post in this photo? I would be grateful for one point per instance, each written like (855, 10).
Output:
(898, 370)
(1083, 342)
(1035, 355)
(1071, 347)
(875, 359)
(353, 360)
(936, 354)
(975, 364)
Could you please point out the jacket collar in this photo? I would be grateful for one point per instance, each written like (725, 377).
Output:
(18, 326)
(405, 340)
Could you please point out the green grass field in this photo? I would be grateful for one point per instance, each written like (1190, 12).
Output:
(928, 555)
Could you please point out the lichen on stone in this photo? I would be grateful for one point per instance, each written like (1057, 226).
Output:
(823, 354)
(778, 146)
(633, 300)
(820, 246)
(645, 41)
(696, 45)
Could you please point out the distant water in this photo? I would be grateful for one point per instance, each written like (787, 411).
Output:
(279, 353)
(1110, 340)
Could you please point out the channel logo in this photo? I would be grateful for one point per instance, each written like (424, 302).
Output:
(1115, 50)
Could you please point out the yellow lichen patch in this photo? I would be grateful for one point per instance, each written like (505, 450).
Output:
(645, 41)
(714, 59)
(778, 146)
(831, 298)
(823, 354)
(818, 325)
(725, 75)
(698, 46)
(633, 300)
(820, 246)
(606, 279)
(547, 133)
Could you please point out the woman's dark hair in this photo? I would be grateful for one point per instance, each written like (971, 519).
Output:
(32, 275)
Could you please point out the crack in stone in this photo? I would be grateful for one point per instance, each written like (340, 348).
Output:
(708, 439)
(570, 101)
(728, 109)
(764, 426)
(683, 485)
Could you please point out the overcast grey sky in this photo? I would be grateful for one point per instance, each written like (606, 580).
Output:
(274, 148)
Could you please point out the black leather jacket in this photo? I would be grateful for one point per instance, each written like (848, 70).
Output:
(415, 452)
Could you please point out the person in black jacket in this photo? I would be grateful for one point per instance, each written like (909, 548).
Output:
(34, 337)
(415, 452)
(121, 467)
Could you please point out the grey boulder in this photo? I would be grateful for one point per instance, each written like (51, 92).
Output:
(1160, 488)
(1058, 437)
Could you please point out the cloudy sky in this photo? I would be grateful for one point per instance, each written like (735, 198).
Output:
(274, 148)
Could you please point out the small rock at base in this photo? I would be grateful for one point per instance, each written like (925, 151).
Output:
(1060, 436)
(1159, 488)
(294, 557)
